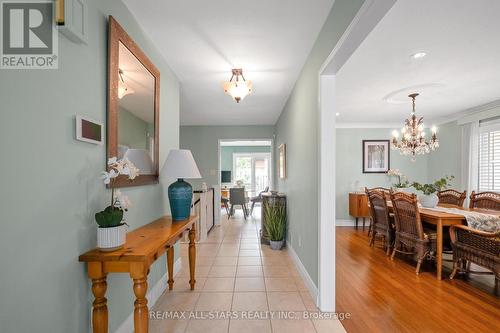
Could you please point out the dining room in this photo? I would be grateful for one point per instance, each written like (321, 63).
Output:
(417, 183)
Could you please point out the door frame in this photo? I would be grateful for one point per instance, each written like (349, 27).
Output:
(362, 24)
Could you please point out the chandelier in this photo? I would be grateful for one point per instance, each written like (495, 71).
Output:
(413, 140)
(236, 88)
(123, 90)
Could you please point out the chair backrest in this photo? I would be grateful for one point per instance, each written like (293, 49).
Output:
(378, 206)
(485, 200)
(237, 196)
(452, 197)
(386, 191)
(406, 214)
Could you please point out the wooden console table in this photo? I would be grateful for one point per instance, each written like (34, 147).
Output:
(144, 245)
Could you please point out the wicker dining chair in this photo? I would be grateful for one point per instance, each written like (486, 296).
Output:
(485, 200)
(479, 247)
(382, 223)
(452, 197)
(410, 233)
(384, 190)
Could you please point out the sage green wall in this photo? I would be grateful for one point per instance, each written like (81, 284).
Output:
(51, 184)
(297, 126)
(349, 165)
(226, 154)
(132, 130)
(447, 160)
(203, 141)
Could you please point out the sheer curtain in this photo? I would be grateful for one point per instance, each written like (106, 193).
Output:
(470, 157)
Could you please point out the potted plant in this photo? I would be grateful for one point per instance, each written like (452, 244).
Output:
(112, 231)
(430, 199)
(275, 224)
(402, 180)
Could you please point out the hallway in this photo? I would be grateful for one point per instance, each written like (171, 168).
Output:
(235, 273)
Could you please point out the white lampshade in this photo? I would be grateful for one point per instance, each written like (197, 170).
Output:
(180, 164)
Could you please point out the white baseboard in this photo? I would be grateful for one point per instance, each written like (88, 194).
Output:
(313, 290)
(352, 223)
(153, 295)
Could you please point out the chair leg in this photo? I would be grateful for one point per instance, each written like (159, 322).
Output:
(369, 227)
(419, 263)
(388, 251)
(244, 208)
(251, 209)
(456, 263)
(393, 253)
(372, 239)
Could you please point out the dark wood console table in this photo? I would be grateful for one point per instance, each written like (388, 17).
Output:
(143, 246)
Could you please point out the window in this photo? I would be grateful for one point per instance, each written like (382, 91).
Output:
(489, 156)
(254, 169)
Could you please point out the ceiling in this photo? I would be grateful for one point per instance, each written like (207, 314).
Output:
(461, 69)
(203, 40)
(140, 82)
(253, 143)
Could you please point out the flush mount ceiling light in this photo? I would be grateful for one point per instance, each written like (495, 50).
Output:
(237, 87)
(123, 90)
(419, 55)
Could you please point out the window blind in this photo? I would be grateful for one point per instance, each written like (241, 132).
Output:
(489, 156)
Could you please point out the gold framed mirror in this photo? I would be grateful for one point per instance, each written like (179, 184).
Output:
(133, 107)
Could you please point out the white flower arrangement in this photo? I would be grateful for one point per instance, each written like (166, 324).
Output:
(402, 180)
(112, 216)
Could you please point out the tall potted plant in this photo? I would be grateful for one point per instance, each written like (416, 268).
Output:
(429, 198)
(275, 224)
(111, 231)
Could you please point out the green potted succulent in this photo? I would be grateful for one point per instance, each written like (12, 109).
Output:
(275, 224)
(429, 198)
(111, 231)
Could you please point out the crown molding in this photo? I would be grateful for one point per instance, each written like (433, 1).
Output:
(368, 125)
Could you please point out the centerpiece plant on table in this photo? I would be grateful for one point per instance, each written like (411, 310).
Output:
(402, 180)
(112, 230)
(429, 198)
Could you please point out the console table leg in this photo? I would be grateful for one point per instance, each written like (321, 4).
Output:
(139, 276)
(192, 257)
(99, 306)
(170, 265)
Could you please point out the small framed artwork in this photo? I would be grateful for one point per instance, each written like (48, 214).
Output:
(89, 130)
(282, 161)
(376, 157)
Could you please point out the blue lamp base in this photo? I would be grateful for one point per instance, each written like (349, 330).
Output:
(180, 196)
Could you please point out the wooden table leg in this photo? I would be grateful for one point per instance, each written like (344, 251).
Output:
(192, 256)
(99, 307)
(170, 266)
(139, 275)
(439, 250)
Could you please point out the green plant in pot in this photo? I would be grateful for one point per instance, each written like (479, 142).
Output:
(111, 233)
(275, 224)
(429, 198)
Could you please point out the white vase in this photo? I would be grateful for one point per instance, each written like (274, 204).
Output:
(429, 201)
(110, 239)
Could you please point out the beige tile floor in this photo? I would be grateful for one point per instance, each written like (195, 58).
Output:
(236, 275)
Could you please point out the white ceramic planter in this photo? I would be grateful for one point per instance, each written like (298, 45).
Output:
(429, 201)
(276, 245)
(110, 239)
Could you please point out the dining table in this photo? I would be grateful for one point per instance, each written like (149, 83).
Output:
(441, 219)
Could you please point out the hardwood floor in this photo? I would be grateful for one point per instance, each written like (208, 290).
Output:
(387, 296)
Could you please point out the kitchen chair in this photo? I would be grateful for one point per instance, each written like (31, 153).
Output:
(258, 198)
(237, 198)
(485, 200)
(386, 191)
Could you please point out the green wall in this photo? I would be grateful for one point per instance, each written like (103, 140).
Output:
(132, 130)
(203, 142)
(297, 126)
(226, 154)
(51, 185)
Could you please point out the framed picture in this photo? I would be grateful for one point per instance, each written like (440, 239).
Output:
(376, 157)
(282, 161)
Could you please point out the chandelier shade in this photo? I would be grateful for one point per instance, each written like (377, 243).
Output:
(413, 140)
(237, 88)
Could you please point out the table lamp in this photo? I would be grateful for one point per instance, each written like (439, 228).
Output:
(180, 164)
